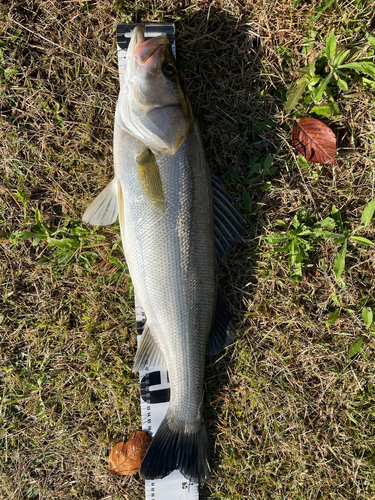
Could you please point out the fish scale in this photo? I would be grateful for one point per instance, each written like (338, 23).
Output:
(160, 251)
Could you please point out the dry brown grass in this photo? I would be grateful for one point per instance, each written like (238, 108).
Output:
(290, 415)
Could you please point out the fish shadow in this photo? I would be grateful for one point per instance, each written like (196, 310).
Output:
(220, 59)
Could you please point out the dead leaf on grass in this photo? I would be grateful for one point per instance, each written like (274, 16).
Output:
(125, 458)
(314, 140)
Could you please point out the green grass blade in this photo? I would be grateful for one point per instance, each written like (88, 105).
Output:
(356, 346)
(296, 93)
(364, 66)
(326, 4)
(276, 238)
(368, 213)
(336, 216)
(340, 57)
(363, 241)
(267, 164)
(327, 223)
(331, 46)
(322, 110)
(318, 92)
(332, 318)
(367, 316)
(342, 84)
(340, 261)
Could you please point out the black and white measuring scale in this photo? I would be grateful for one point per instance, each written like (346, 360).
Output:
(155, 390)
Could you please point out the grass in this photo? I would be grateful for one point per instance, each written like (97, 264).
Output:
(290, 414)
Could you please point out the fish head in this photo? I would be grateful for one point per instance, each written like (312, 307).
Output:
(154, 106)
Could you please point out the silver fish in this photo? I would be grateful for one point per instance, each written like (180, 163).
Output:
(163, 194)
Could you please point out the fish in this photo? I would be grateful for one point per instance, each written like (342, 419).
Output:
(176, 223)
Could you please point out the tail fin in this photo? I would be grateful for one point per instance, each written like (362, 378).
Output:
(181, 449)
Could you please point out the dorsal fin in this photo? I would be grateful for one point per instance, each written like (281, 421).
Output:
(224, 332)
(228, 222)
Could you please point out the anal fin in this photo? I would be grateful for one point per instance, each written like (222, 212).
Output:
(149, 352)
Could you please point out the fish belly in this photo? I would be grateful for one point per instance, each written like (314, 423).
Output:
(171, 259)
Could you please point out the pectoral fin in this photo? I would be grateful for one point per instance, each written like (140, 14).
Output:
(149, 177)
(120, 198)
(104, 209)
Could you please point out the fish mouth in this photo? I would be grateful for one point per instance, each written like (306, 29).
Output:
(147, 51)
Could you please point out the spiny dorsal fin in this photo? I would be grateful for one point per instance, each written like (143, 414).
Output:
(149, 177)
(228, 222)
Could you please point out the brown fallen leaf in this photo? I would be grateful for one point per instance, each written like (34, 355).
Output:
(314, 140)
(125, 458)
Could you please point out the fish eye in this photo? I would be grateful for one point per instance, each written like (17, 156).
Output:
(169, 70)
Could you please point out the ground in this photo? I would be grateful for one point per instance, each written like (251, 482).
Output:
(290, 413)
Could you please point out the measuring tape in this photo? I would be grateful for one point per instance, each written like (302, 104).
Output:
(155, 387)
